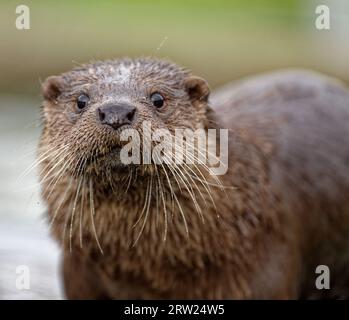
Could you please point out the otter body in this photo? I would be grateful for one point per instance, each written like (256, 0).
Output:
(152, 232)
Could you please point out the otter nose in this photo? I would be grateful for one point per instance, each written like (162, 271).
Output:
(116, 115)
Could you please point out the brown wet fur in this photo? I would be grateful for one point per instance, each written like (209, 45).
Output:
(283, 211)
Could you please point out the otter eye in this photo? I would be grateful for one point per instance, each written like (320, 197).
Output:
(82, 101)
(157, 100)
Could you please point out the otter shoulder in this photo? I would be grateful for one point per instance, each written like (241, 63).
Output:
(282, 84)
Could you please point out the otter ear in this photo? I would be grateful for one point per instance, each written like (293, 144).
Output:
(197, 88)
(51, 88)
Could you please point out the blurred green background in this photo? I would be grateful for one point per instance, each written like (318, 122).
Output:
(220, 40)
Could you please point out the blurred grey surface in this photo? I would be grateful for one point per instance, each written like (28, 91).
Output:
(24, 236)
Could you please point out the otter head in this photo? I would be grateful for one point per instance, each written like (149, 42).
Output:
(85, 110)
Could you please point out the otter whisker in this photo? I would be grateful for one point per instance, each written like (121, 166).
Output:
(175, 171)
(184, 172)
(81, 210)
(58, 177)
(66, 221)
(163, 202)
(207, 168)
(79, 164)
(144, 207)
(67, 190)
(51, 177)
(195, 159)
(170, 187)
(157, 203)
(38, 184)
(150, 184)
(203, 182)
(92, 211)
(73, 214)
(190, 191)
(47, 154)
(53, 168)
(176, 199)
(213, 184)
(183, 215)
(129, 181)
(207, 188)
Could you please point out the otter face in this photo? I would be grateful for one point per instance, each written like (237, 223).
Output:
(86, 109)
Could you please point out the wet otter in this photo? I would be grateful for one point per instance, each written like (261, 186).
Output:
(150, 231)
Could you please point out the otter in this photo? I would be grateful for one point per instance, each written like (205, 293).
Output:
(149, 231)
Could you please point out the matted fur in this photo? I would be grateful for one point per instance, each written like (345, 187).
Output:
(147, 232)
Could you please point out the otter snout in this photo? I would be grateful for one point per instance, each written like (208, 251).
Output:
(116, 115)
